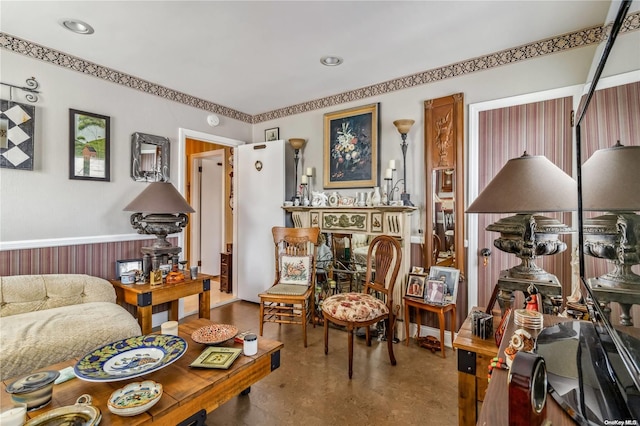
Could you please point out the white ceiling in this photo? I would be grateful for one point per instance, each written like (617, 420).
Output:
(262, 55)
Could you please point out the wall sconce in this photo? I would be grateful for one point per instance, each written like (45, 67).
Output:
(296, 144)
(159, 210)
(403, 127)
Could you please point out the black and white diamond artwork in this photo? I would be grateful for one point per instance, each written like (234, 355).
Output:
(18, 121)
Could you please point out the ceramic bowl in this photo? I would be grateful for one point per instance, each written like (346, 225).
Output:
(135, 398)
(34, 389)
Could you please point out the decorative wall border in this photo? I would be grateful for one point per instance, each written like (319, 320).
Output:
(572, 40)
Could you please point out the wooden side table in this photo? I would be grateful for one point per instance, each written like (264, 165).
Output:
(145, 296)
(419, 305)
(474, 356)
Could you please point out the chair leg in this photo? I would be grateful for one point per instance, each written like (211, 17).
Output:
(261, 316)
(303, 312)
(350, 337)
(390, 329)
(367, 334)
(326, 336)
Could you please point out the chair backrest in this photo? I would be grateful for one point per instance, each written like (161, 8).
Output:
(385, 253)
(339, 245)
(437, 243)
(295, 242)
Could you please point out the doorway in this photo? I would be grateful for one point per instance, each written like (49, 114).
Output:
(205, 173)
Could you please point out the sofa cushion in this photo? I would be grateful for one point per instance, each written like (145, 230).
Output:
(34, 340)
(26, 293)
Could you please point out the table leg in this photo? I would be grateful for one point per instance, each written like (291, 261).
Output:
(406, 324)
(144, 318)
(441, 324)
(173, 310)
(204, 309)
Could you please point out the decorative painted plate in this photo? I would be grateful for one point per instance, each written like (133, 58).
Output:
(129, 358)
(135, 398)
(214, 334)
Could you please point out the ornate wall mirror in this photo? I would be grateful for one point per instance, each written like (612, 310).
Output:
(149, 158)
(444, 168)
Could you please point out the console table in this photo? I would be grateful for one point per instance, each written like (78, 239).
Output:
(387, 220)
(145, 296)
(419, 305)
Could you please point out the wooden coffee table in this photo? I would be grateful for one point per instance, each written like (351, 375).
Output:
(188, 393)
(145, 296)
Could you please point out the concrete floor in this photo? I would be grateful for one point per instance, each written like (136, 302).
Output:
(312, 388)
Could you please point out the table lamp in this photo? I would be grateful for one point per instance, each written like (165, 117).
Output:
(159, 210)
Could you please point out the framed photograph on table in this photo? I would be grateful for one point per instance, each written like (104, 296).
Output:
(272, 134)
(434, 292)
(351, 148)
(89, 145)
(415, 285)
(450, 277)
(127, 265)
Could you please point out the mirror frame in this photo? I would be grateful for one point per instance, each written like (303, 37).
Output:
(139, 175)
(590, 88)
(432, 111)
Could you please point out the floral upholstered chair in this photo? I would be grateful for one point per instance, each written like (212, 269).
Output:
(291, 298)
(375, 302)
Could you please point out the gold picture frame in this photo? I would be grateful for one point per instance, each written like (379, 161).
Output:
(351, 141)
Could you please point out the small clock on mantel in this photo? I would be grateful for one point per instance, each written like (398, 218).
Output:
(527, 390)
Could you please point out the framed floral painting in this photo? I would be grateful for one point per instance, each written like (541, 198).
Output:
(351, 147)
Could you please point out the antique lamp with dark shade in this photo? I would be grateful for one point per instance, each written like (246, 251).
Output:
(526, 186)
(611, 184)
(403, 127)
(160, 210)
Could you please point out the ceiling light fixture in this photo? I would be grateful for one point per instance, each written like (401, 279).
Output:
(77, 26)
(331, 61)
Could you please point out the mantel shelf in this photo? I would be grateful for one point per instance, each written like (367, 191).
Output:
(347, 208)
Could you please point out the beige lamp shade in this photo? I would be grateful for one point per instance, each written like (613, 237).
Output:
(528, 184)
(611, 179)
(403, 125)
(296, 143)
(159, 197)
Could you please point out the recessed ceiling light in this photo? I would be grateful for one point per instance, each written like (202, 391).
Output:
(331, 61)
(77, 27)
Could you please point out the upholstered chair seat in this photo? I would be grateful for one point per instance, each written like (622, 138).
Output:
(354, 307)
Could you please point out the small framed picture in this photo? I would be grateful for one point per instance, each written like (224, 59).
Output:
(127, 265)
(415, 285)
(417, 270)
(434, 292)
(272, 134)
(450, 276)
(89, 146)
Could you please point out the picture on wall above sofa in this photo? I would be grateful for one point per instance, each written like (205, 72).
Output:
(89, 144)
(17, 122)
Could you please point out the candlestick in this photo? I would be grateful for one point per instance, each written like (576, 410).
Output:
(392, 164)
(309, 171)
(388, 174)
(303, 179)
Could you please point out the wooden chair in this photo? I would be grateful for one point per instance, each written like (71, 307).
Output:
(342, 269)
(291, 298)
(436, 249)
(354, 310)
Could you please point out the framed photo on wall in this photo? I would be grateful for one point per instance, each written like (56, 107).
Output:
(351, 148)
(89, 145)
(415, 285)
(272, 134)
(450, 277)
